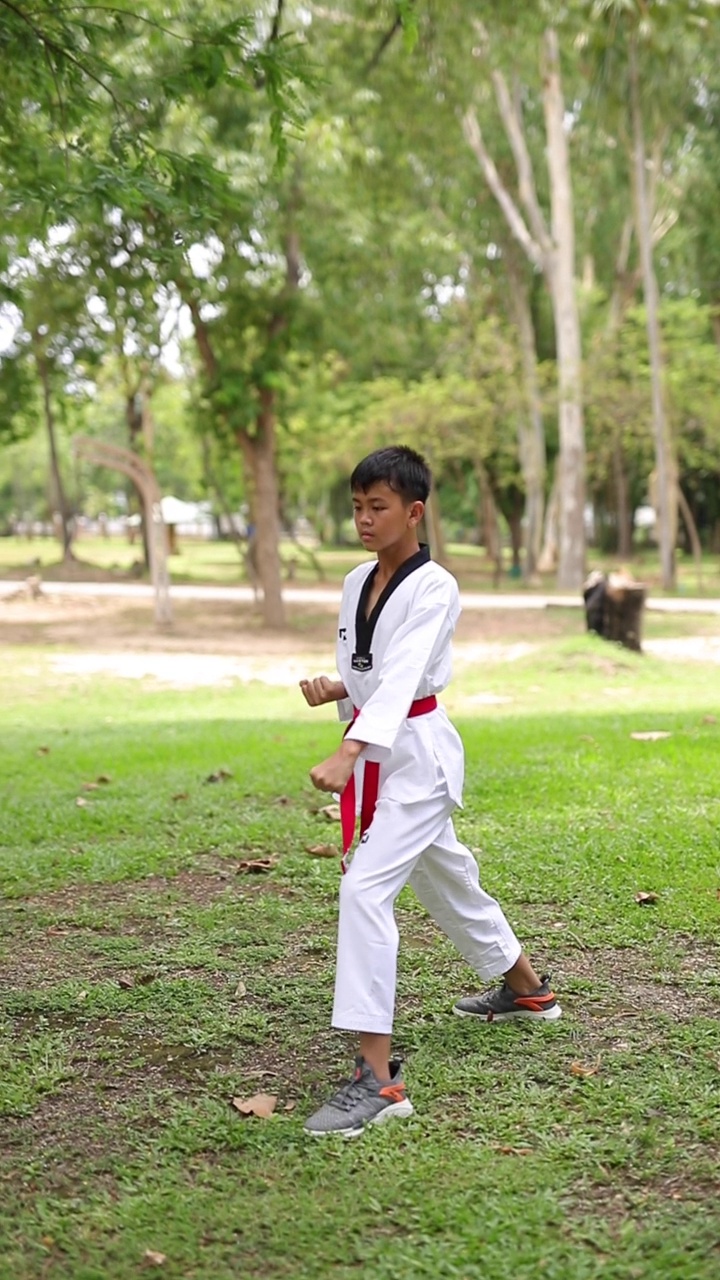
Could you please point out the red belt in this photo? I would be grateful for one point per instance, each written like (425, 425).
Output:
(371, 782)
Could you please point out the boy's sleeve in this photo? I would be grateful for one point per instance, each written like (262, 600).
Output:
(345, 709)
(408, 656)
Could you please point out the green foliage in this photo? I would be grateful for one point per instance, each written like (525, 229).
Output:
(97, 85)
(299, 178)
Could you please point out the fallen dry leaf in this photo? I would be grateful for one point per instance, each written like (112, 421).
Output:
(91, 786)
(62, 933)
(322, 850)
(709, 720)
(261, 1104)
(255, 866)
(180, 795)
(103, 779)
(43, 751)
(221, 775)
(646, 899)
(331, 812)
(652, 735)
(81, 802)
(125, 981)
(290, 1106)
(282, 800)
(151, 1258)
(240, 991)
(584, 1069)
(82, 995)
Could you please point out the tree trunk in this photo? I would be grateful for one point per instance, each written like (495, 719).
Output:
(548, 556)
(258, 451)
(134, 419)
(667, 495)
(514, 520)
(434, 531)
(490, 524)
(531, 432)
(715, 322)
(59, 488)
(552, 251)
(622, 504)
(571, 562)
(259, 456)
(693, 534)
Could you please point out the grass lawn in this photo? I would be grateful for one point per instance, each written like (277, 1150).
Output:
(219, 562)
(148, 980)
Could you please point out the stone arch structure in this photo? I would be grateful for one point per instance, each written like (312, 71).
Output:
(102, 454)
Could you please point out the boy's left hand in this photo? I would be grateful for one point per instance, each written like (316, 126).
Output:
(334, 773)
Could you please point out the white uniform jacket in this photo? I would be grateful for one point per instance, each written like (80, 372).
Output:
(401, 653)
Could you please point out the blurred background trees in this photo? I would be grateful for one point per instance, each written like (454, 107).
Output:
(253, 241)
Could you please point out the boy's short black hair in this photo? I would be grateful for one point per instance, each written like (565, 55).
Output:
(403, 470)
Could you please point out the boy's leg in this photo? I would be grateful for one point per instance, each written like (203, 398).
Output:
(367, 959)
(447, 883)
(367, 933)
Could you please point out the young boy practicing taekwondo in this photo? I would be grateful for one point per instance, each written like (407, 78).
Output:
(404, 760)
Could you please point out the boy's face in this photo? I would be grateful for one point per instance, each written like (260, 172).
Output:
(383, 518)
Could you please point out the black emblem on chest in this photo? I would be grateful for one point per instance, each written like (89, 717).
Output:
(361, 662)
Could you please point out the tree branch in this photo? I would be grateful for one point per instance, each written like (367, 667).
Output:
(202, 337)
(385, 41)
(275, 32)
(51, 45)
(512, 123)
(512, 214)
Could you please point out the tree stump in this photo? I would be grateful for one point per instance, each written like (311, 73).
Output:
(614, 606)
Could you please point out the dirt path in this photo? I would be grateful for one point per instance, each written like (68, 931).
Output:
(217, 642)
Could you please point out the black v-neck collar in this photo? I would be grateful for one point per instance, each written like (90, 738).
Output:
(364, 625)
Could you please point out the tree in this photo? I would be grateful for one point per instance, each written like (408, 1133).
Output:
(550, 249)
(638, 44)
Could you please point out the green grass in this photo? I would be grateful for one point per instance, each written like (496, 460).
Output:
(219, 562)
(146, 984)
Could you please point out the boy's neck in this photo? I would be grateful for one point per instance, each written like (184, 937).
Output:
(390, 559)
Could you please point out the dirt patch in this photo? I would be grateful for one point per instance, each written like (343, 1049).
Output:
(216, 644)
(618, 1196)
(196, 887)
(97, 624)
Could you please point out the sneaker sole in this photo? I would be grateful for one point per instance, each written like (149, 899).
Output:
(551, 1015)
(396, 1111)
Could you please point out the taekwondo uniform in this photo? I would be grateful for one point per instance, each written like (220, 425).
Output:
(392, 664)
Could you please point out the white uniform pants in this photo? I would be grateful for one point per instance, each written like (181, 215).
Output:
(413, 843)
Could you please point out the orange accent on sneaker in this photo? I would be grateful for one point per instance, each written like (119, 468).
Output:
(535, 1003)
(396, 1092)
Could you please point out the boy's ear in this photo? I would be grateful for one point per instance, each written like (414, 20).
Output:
(417, 511)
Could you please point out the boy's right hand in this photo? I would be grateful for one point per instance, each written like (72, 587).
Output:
(321, 690)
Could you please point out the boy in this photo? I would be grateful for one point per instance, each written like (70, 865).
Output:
(405, 759)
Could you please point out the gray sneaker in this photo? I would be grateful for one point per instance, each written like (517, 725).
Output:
(500, 1004)
(360, 1102)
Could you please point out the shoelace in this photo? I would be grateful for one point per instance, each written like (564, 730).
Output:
(349, 1094)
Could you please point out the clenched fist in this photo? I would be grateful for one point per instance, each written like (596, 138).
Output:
(321, 690)
(333, 774)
